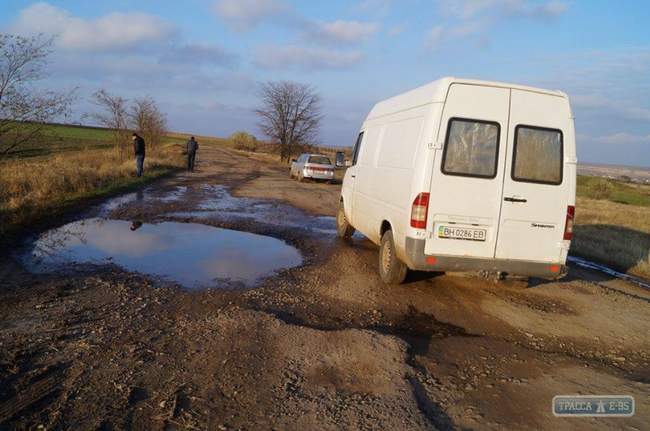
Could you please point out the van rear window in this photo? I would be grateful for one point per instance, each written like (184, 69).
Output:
(471, 148)
(322, 160)
(537, 156)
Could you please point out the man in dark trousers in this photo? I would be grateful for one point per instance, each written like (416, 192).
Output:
(192, 146)
(138, 150)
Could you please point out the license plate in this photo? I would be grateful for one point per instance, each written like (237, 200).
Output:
(468, 234)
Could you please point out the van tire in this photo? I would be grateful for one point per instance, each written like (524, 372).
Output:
(391, 269)
(344, 229)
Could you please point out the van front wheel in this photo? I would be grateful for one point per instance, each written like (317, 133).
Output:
(343, 228)
(391, 270)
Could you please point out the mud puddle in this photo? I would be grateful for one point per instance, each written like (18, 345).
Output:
(146, 195)
(218, 204)
(193, 255)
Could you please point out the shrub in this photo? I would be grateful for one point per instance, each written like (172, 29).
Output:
(244, 141)
(32, 188)
(601, 189)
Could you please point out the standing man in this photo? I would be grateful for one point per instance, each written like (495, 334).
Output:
(192, 146)
(138, 150)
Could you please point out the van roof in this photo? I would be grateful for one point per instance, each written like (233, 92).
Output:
(436, 92)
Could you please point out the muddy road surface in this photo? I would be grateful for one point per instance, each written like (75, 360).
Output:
(222, 300)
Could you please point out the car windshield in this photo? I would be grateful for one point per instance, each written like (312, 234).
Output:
(321, 160)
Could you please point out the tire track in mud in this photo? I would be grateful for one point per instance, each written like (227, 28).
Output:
(416, 329)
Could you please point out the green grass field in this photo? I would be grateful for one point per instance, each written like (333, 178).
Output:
(66, 167)
(59, 138)
(613, 224)
(614, 191)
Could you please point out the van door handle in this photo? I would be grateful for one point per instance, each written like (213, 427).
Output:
(514, 199)
(353, 176)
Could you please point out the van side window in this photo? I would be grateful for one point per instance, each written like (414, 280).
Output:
(357, 148)
(471, 148)
(537, 155)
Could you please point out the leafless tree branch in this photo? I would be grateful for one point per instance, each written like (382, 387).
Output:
(23, 109)
(290, 115)
(148, 120)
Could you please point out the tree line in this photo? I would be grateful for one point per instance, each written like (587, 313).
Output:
(289, 113)
(26, 111)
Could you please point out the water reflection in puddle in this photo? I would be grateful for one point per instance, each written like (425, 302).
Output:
(219, 204)
(146, 195)
(193, 255)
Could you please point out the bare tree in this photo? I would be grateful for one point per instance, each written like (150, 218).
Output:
(290, 114)
(148, 120)
(114, 115)
(24, 110)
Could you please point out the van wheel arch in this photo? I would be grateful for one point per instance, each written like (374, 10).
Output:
(391, 270)
(385, 227)
(343, 227)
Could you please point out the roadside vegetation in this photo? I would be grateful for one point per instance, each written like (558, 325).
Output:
(613, 224)
(46, 168)
(244, 141)
(46, 184)
(614, 191)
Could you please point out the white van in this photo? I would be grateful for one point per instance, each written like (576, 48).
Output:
(463, 175)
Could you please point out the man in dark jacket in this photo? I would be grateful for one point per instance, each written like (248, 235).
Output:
(192, 146)
(138, 150)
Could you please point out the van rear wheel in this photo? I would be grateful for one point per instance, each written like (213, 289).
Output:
(343, 228)
(391, 269)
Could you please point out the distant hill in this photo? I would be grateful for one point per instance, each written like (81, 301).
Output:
(629, 173)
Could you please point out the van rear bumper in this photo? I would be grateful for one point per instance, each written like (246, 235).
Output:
(416, 259)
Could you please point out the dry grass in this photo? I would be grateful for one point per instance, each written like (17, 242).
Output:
(613, 233)
(32, 189)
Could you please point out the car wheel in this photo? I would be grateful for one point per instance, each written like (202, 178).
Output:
(301, 177)
(391, 269)
(290, 174)
(343, 228)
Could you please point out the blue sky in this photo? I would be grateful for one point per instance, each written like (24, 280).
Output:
(204, 60)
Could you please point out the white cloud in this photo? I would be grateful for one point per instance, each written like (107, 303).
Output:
(112, 31)
(474, 18)
(199, 53)
(292, 56)
(243, 15)
(396, 30)
(625, 109)
(621, 138)
(342, 31)
(469, 9)
(434, 36)
(376, 7)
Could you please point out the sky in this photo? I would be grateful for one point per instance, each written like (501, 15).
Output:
(204, 60)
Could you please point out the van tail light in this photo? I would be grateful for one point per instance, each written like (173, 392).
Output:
(419, 211)
(568, 226)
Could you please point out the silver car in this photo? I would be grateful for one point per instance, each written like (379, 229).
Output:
(315, 166)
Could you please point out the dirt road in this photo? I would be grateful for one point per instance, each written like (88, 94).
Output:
(321, 346)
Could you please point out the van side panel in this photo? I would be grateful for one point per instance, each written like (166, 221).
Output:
(385, 174)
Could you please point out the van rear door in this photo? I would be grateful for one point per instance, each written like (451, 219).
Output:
(466, 185)
(536, 187)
